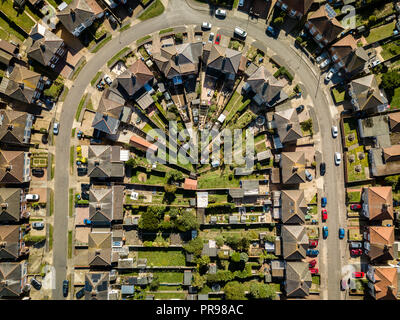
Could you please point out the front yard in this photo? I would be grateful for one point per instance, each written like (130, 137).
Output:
(350, 131)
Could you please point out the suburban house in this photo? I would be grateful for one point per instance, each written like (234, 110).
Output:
(323, 25)
(366, 95)
(97, 285)
(293, 167)
(383, 282)
(99, 250)
(288, 126)
(104, 162)
(8, 52)
(79, 15)
(378, 243)
(112, 104)
(142, 144)
(135, 81)
(385, 161)
(294, 242)
(294, 206)
(11, 244)
(394, 121)
(222, 61)
(266, 88)
(23, 85)
(13, 279)
(105, 205)
(176, 62)
(298, 279)
(295, 8)
(13, 205)
(14, 167)
(377, 203)
(45, 47)
(104, 124)
(15, 127)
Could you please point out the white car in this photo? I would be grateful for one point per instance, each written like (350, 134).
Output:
(56, 128)
(330, 74)
(206, 25)
(220, 13)
(108, 80)
(32, 197)
(338, 158)
(321, 57)
(375, 63)
(240, 32)
(325, 63)
(334, 131)
(211, 37)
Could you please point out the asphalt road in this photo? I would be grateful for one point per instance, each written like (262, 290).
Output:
(179, 13)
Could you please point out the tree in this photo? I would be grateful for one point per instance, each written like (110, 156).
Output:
(260, 290)
(235, 257)
(166, 225)
(154, 284)
(198, 281)
(202, 263)
(393, 181)
(131, 162)
(174, 175)
(148, 221)
(371, 19)
(170, 188)
(194, 246)
(234, 291)
(278, 21)
(220, 241)
(244, 257)
(186, 221)
(390, 81)
(306, 125)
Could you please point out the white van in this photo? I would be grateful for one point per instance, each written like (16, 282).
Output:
(240, 32)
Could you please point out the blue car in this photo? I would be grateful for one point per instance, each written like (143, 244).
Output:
(325, 232)
(272, 31)
(323, 202)
(312, 252)
(341, 233)
(65, 288)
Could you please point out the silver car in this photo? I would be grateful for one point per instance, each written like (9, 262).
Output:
(220, 13)
(338, 158)
(206, 26)
(325, 63)
(334, 131)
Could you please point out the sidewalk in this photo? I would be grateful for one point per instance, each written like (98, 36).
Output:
(198, 5)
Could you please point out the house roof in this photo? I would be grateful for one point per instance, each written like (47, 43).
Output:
(263, 155)
(367, 92)
(294, 242)
(44, 46)
(12, 166)
(7, 47)
(293, 167)
(265, 84)
(294, 206)
(328, 27)
(187, 277)
(96, 285)
(9, 242)
(190, 184)
(12, 126)
(99, 252)
(104, 162)
(136, 140)
(10, 203)
(224, 59)
(385, 283)
(394, 121)
(288, 126)
(298, 279)
(250, 187)
(301, 6)
(380, 203)
(10, 278)
(105, 123)
(381, 243)
(356, 60)
(343, 47)
(111, 103)
(105, 204)
(391, 153)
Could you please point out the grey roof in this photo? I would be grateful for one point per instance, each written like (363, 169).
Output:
(294, 206)
(10, 199)
(207, 251)
(11, 274)
(367, 93)
(15, 127)
(293, 167)
(145, 101)
(105, 123)
(187, 277)
(127, 289)
(202, 296)
(96, 285)
(250, 187)
(224, 59)
(267, 154)
(9, 242)
(105, 204)
(298, 279)
(288, 126)
(76, 13)
(104, 162)
(294, 242)
(236, 193)
(111, 103)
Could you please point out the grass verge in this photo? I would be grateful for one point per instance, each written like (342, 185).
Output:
(69, 244)
(71, 202)
(80, 106)
(102, 44)
(154, 10)
(117, 56)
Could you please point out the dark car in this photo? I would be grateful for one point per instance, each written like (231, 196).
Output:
(323, 202)
(65, 288)
(312, 252)
(38, 172)
(36, 284)
(325, 232)
(80, 293)
(272, 31)
(112, 20)
(300, 108)
(322, 168)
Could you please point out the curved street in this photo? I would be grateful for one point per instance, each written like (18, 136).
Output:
(178, 12)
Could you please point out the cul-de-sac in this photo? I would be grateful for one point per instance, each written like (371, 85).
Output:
(199, 150)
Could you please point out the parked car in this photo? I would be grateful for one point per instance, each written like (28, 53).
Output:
(338, 158)
(313, 243)
(375, 63)
(87, 221)
(36, 284)
(356, 252)
(112, 20)
(320, 58)
(325, 232)
(308, 174)
(341, 233)
(56, 128)
(206, 26)
(32, 197)
(312, 263)
(356, 206)
(218, 38)
(325, 63)
(324, 214)
(300, 108)
(355, 245)
(334, 131)
(330, 74)
(323, 202)
(211, 37)
(240, 32)
(38, 172)
(312, 252)
(322, 168)
(38, 225)
(65, 288)
(272, 31)
(80, 293)
(108, 80)
(390, 18)
(358, 274)
(314, 270)
(220, 13)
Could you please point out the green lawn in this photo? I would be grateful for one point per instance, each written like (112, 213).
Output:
(143, 39)
(381, 32)
(350, 127)
(338, 94)
(6, 32)
(233, 105)
(102, 44)
(163, 258)
(354, 196)
(169, 277)
(96, 78)
(80, 106)
(163, 31)
(117, 56)
(154, 10)
(352, 175)
(390, 50)
(169, 295)
(125, 27)
(20, 19)
(395, 103)
(150, 179)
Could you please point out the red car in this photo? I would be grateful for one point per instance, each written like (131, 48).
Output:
(356, 252)
(217, 38)
(313, 243)
(312, 263)
(314, 270)
(356, 206)
(324, 215)
(358, 274)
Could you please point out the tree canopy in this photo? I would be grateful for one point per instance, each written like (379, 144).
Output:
(234, 291)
